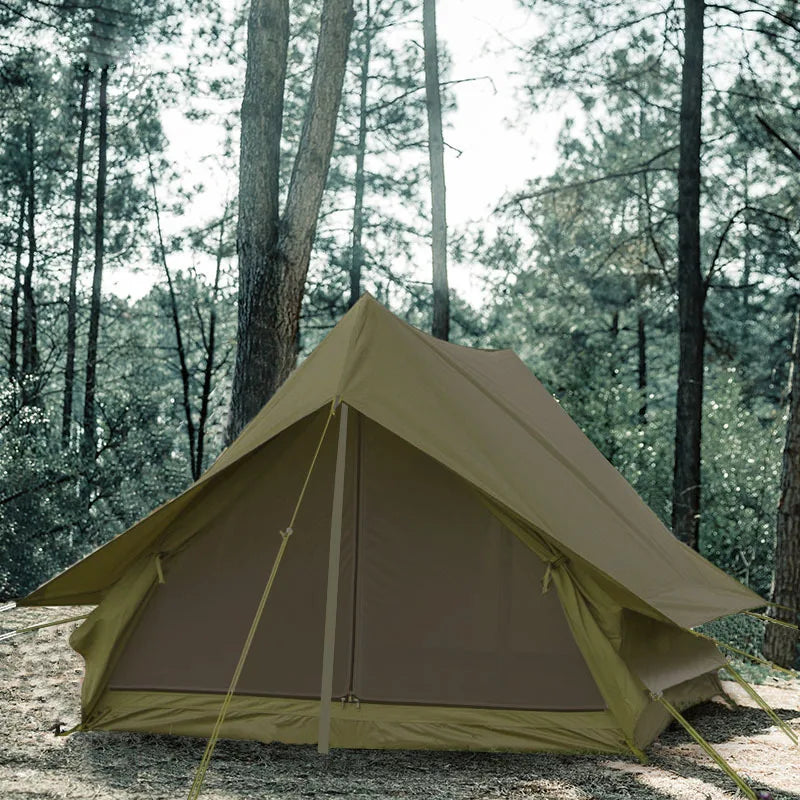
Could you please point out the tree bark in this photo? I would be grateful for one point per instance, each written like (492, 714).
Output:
(30, 350)
(780, 643)
(72, 303)
(433, 103)
(691, 290)
(13, 343)
(357, 249)
(274, 251)
(89, 448)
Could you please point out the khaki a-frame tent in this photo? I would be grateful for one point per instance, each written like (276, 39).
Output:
(499, 586)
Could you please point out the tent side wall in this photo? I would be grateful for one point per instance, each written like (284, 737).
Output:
(655, 718)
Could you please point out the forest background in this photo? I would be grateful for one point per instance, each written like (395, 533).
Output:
(119, 156)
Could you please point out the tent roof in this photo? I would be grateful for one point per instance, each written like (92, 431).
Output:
(484, 415)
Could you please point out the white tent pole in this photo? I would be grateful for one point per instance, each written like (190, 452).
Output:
(331, 602)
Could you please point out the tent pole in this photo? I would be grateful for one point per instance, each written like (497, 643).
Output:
(331, 602)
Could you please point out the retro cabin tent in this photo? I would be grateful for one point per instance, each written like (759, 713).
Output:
(500, 585)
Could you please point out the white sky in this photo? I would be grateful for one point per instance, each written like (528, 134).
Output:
(490, 152)
(498, 154)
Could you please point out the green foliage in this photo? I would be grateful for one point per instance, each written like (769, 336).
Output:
(741, 479)
(56, 508)
(739, 630)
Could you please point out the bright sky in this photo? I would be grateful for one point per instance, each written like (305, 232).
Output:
(490, 152)
(498, 154)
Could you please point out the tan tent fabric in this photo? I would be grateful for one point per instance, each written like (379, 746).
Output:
(368, 725)
(189, 636)
(449, 605)
(449, 608)
(500, 584)
(485, 416)
(529, 455)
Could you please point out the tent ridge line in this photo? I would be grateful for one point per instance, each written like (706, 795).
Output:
(355, 335)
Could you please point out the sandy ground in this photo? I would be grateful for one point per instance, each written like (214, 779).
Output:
(39, 686)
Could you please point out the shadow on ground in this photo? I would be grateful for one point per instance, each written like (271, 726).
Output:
(164, 767)
(719, 724)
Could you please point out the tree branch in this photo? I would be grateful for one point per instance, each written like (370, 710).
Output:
(775, 135)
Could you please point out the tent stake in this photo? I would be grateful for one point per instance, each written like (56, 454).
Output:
(331, 602)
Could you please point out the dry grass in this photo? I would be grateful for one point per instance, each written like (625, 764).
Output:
(39, 686)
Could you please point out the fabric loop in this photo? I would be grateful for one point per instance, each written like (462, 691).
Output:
(159, 569)
(555, 563)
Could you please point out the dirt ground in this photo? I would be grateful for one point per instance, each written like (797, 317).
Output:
(39, 686)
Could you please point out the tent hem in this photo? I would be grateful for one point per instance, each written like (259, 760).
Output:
(366, 726)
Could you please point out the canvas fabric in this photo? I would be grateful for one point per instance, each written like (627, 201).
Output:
(444, 608)
(381, 726)
(483, 415)
(484, 538)
(371, 726)
(583, 657)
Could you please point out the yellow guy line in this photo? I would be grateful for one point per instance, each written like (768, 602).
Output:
(709, 749)
(197, 784)
(760, 701)
(39, 626)
(783, 608)
(773, 620)
(725, 646)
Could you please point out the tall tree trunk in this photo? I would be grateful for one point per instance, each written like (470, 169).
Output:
(260, 351)
(210, 347)
(176, 324)
(274, 250)
(641, 279)
(780, 643)
(30, 349)
(89, 448)
(433, 102)
(610, 449)
(641, 348)
(13, 343)
(747, 254)
(357, 249)
(691, 291)
(72, 303)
